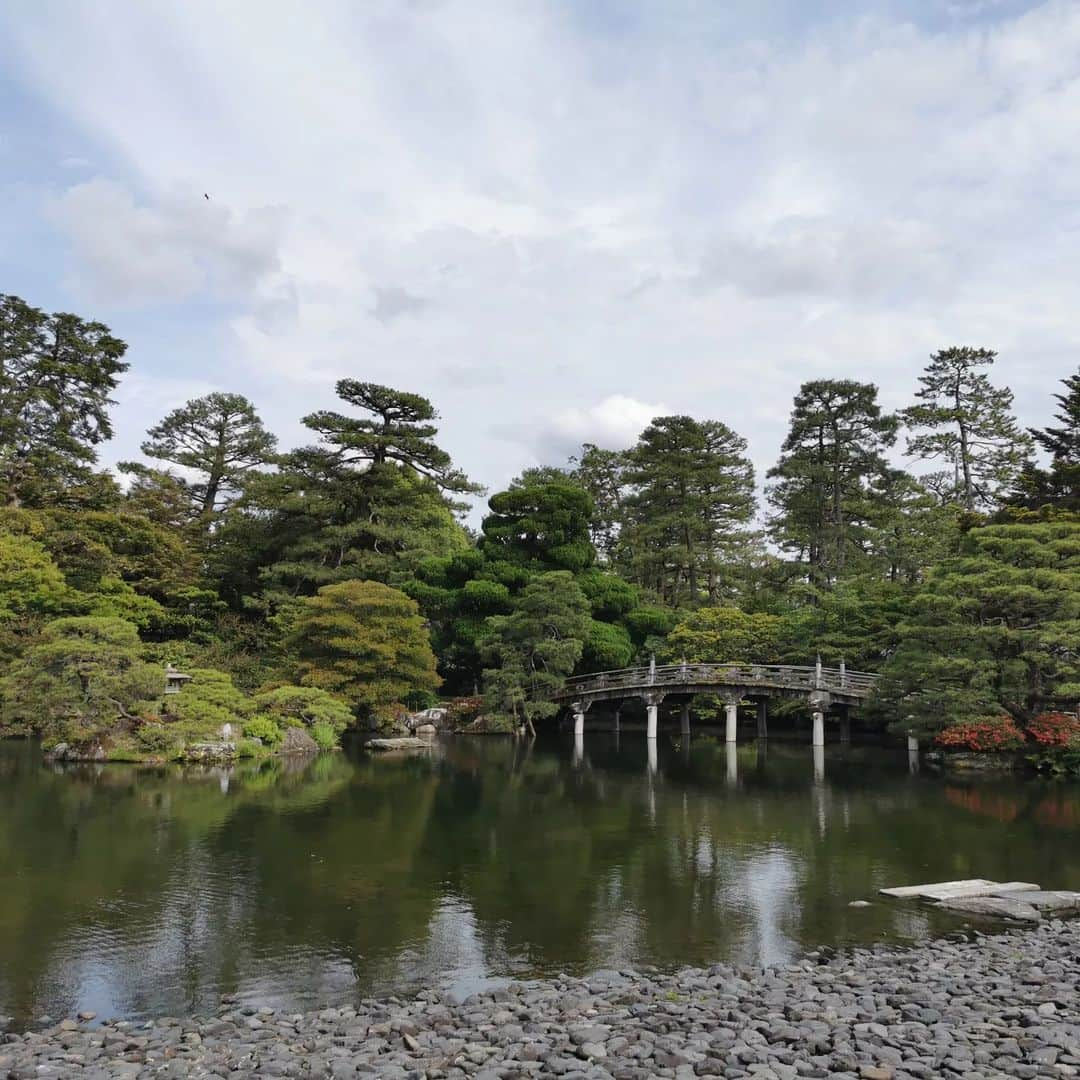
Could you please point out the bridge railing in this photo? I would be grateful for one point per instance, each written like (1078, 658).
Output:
(790, 676)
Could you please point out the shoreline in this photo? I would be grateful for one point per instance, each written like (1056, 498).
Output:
(1003, 1004)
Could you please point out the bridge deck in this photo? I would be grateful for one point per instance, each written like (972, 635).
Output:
(754, 679)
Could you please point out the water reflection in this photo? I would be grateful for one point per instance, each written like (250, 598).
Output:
(138, 891)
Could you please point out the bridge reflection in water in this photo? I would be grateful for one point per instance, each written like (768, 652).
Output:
(828, 691)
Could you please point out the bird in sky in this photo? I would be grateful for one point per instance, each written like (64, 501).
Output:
(205, 196)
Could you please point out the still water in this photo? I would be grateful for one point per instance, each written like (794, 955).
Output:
(134, 892)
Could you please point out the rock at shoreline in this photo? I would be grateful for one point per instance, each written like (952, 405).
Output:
(404, 743)
(1000, 1006)
(297, 741)
(210, 752)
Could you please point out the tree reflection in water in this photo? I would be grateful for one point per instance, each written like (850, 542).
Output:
(134, 891)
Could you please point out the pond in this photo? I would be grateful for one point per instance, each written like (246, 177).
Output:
(135, 892)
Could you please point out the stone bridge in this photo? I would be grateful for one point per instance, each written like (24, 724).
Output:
(823, 689)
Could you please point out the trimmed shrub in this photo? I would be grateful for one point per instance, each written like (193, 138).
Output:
(305, 706)
(265, 729)
(985, 735)
(1054, 729)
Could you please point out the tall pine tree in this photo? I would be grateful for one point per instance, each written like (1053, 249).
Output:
(967, 424)
(826, 488)
(690, 498)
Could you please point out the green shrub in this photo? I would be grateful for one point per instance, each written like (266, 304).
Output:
(249, 748)
(265, 729)
(160, 739)
(304, 705)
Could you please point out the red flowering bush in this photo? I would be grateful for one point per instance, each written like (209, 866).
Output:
(987, 734)
(1054, 729)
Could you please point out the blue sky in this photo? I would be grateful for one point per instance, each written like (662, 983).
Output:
(556, 219)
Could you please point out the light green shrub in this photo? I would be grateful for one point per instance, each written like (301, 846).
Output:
(264, 728)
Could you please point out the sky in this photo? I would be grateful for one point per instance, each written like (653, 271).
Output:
(555, 218)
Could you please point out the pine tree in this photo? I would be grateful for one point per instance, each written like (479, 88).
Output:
(56, 375)
(826, 485)
(601, 473)
(968, 425)
(221, 438)
(399, 432)
(1059, 485)
(370, 501)
(690, 497)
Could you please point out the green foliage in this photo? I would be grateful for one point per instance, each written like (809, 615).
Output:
(610, 598)
(719, 634)
(532, 651)
(326, 736)
(540, 523)
(967, 426)
(264, 728)
(607, 646)
(79, 679)
(304, 705)
(994, 628)
(649, 623)
(30, 582)
(364, 642)
(1056, 487)
(56, 374)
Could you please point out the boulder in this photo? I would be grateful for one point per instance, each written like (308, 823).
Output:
(298, 741)
(210, 752)
(426, 730)
(386, 745)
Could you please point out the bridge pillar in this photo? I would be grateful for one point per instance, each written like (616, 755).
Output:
(618, 717)
(652, 714)
(579, 709)
(818, 738)
(684, 719)
(763, 718)
(845, 724)
(731, 727)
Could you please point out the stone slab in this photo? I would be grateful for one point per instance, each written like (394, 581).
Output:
(905, 891)
(950, 890)
(999, 907)
(385, 745)
(1052, 900)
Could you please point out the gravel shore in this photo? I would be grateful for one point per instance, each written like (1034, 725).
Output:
(1001, 1005)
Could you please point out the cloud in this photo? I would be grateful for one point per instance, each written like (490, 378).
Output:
(697, 205)
(176, 248)
(613, 423)
(392, 302)
(879, 260)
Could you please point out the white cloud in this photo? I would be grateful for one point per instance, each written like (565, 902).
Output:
(182, 245)
(520, 208)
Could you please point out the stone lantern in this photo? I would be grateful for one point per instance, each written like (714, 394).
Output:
(174, 680)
